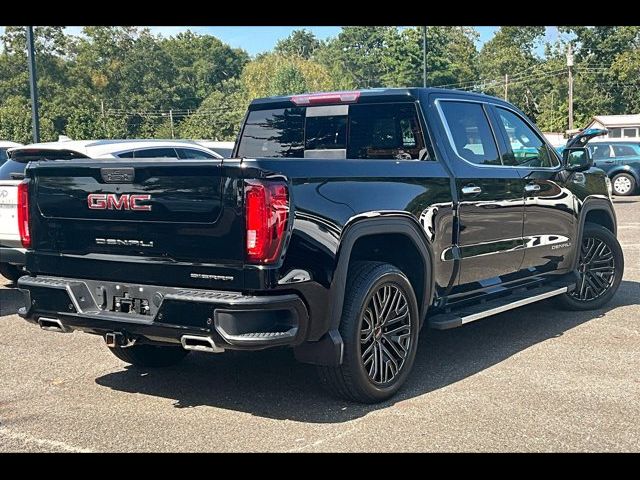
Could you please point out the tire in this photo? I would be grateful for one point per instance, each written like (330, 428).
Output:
(623, 184)
(10, 272)
(369, 381)
(150, 355)
(595, 288)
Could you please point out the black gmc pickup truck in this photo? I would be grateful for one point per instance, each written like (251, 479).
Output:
(341, 225)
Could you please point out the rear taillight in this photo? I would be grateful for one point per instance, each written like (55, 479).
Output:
(23, 214)
(267, 213)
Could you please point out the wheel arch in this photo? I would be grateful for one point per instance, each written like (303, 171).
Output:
(602, 212)
(382, 225)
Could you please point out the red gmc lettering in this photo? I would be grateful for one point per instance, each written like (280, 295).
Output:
(115, 203)
(133, 203)
(111, 201)
(97, 201)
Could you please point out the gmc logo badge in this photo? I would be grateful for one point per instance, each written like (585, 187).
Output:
(113, 201)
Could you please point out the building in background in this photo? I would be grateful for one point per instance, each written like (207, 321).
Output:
(555, 139)
(619, 126)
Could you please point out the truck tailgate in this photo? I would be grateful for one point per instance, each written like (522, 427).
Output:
(150, 221)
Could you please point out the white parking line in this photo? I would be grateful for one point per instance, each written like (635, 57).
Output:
(25, 437)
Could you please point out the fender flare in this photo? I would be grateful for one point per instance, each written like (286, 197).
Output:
(404, 224)
(589, 205)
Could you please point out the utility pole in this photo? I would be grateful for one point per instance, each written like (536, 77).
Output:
(424, 56)
(35, 119)
(102, 107)
(506, 87)
(569, 65)
(171, 120)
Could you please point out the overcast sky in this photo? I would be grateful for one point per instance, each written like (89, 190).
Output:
(260, 39)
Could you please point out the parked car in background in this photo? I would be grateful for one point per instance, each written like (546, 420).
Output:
(221, 148)
(12, 172)
(4, 146)
(621, 160)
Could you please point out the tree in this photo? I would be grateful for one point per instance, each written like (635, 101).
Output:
(289, 79)
(219, 115)
(512, 52)
(355, 58)
(274, 74)
(201, 63)
(301, 43)
(451, 56)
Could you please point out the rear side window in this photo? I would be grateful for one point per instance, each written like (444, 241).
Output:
(364, 131)
(192, 154)
(126, 154)
(470, 132)
(624, 151)
(527, 148)
(273, 133)
(3, 155)
(156, 153)
(385, 131)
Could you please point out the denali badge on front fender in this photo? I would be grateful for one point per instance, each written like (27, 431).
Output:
(123, 243)
(113, 201)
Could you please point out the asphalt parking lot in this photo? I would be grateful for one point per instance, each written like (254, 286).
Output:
(534, 379)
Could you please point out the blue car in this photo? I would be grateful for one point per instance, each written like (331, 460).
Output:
(621, 160)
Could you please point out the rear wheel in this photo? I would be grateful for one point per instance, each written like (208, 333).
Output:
(600, 267)
(10, 272)
(623, 184)
(379, 329)
(150, 355)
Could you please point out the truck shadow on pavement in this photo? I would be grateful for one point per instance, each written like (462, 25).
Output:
(271, 384)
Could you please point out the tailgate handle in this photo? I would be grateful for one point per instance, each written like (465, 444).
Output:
(118, 175)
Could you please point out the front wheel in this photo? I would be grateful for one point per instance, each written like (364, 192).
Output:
(150, 355)
(600, 267)
(379, 329)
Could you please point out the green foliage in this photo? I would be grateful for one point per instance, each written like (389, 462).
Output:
(451, 56)
(219, 115)
(15, 120)
(357, 56)
(274, 74)
(301, 43)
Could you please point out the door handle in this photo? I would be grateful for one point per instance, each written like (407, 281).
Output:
(471, 190)
(532, 187)
(609, 161)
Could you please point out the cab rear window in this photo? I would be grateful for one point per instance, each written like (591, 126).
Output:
(366, 131)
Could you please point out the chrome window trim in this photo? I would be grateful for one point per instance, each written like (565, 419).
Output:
(443, 119)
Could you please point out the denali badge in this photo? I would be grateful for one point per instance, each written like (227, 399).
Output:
(113, 201)
(123, 243)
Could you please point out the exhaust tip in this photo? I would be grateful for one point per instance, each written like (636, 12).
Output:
(200, 344)
(52, 325)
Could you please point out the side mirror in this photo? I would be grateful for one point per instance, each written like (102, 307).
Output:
(577, 159)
